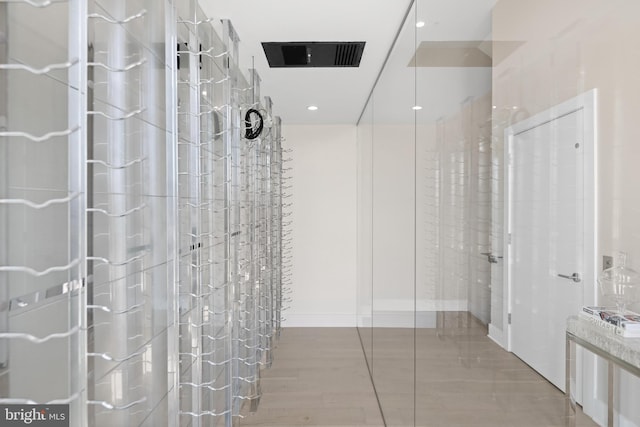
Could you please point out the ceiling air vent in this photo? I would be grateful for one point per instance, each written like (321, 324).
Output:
(313, 54)
(348, 54)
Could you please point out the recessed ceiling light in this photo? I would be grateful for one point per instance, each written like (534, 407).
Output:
(417, 107)
(312, 108)
(420, 24)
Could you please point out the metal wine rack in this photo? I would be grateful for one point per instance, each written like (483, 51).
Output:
(142, 241)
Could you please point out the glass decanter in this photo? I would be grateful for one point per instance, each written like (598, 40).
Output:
(620, 283)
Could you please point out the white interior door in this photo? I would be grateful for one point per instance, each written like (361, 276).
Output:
(550, 228)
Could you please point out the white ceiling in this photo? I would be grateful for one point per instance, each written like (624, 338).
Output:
(341, 93)
(440, 90)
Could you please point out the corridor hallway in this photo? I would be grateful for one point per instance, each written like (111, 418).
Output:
(319, 377)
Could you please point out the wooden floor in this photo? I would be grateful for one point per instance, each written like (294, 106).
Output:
(319, 377)
(461, 378)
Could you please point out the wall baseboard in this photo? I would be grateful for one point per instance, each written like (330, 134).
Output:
(497, 336)
(405, 319)
(319, 320)
(390, 316)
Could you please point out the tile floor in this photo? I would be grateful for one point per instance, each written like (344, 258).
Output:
(319, 377)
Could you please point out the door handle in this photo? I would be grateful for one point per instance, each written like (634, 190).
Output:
(491, 257)
(575, 277)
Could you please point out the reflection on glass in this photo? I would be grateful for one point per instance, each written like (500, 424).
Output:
(364, 232)
(441, 304)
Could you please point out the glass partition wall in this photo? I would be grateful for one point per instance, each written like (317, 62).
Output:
(496, 155)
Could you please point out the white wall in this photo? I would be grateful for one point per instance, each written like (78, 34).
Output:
(569, 47)
(393, 225)
(324, 224)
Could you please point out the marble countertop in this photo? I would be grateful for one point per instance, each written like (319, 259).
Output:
(624, 349)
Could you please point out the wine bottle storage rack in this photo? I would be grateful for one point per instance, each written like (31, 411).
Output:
(143, 242)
